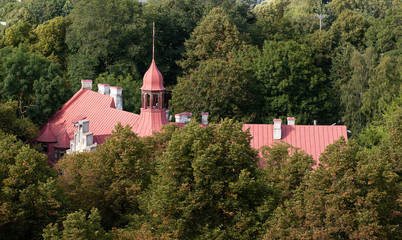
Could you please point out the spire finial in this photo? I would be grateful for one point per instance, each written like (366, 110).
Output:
(153, 41)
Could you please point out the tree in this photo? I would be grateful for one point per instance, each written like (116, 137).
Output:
(104, 37)
(291, 84)
(77, 226)
(349, 27)
(272, 24)
(33, 81)
(30, 197)
(384, 86)
(286, 166)
(110, 179)
(215, 37)
(24, 129)
(51, 37)
(208, 185)
(385, 33)
(221, 88)
(351, 93)
(19, 33)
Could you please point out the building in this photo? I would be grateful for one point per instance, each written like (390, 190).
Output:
(89, 117)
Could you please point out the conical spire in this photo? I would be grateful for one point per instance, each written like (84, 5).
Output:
(153, 80)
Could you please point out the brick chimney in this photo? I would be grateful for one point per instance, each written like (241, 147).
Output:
(117, 94)
(204, 119)
(291, 120)
(104, 89)
(86, 84)
(277, 129)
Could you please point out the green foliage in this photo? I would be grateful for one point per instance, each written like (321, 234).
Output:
(385, 34)
(19, 33)
(51, 39)
(215, 37)
(349, 27)
(292, 85)
(30, 198)
(221, 88)
(286, 166)
(208, 185)
(103, 34)
(110, 179)
(33, 81)
(24, 129)
(131, 89)
(351, 93)
(77, 226)
(272, 24)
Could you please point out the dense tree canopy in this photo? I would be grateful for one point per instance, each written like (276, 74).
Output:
(251, 61)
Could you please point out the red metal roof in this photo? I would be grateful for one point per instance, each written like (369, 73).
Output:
(150, 120)
(47, 135)
(95, 107)
(63, 141)
(313, 139)
(153, 80)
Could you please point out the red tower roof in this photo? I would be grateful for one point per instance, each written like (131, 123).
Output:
(153, 80)
(47, 135)
(64, 141)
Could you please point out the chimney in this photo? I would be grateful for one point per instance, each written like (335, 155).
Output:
(104, 89)
(291, 120)
(277, 129)
(315, 122)
(86, 84)
(116, 93)
(204, 119)
(183, 117)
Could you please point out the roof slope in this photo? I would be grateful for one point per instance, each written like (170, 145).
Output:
(95, 107)
(313, 139)
(150, 120)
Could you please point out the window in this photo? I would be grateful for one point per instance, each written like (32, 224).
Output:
(59, 153)
(45, 147)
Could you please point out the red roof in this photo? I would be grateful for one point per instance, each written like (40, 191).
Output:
(153, 80)
(47, 135)
(95, 107)
(313, 139)
(150, 120)
(63, 141)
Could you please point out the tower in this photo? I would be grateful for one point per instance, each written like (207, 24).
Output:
(153, 109)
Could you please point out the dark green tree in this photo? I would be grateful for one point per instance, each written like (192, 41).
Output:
(223, 88)
(33, 81)
(349, 27)
(351, 92)
(104, 37)
(208, 185)
(215, 37)
(291, 84)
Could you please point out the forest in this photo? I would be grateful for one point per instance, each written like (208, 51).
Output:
(243, 61)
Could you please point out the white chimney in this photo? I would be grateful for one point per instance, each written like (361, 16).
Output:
(183, 117)
(167, 114)
(117, 94)
(277, 129)
(204, 119)
(104, 89)
(291, 120)
(86, 84)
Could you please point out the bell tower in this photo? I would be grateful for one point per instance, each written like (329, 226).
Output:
(153, 109)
